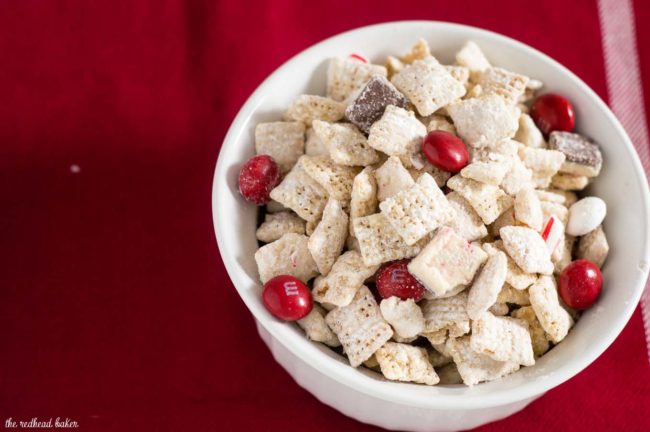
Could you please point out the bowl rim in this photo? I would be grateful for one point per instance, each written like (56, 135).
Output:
(348, 376)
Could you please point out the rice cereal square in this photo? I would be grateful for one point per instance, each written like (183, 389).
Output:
(392, 178)
(345, 76)
(467, 223)
(335, 179)
(487, 285)
(488, 201)
(364, 196)
(555, 321)
(379, 242)
(417, 211)
(428, 85)
(501, 82)
(276, 225)
(287, 256)
(346, 145)
(402, 362)
(307, 108)
(347, 275)
(527, 248)
(446, 262)
(328, 239)
(471, 56)
(302, 194)
(475, 367)
(484, 120)
(502, 339)
(283, 141)
(360, 327)
(316, 328)
(446, 315)
(398, 133)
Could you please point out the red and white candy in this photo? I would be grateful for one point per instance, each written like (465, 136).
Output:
(359, 57)
(287, 298)
(585, 215)
(553, 233)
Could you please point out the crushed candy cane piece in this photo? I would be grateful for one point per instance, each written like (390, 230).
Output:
(553, 233)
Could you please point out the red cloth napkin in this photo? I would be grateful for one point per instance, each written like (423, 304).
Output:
(115, 309)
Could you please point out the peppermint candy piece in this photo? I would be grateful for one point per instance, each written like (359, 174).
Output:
(359, 57)
(553, 233)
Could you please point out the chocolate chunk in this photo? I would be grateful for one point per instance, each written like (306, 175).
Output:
(369, 105)
(583, 156)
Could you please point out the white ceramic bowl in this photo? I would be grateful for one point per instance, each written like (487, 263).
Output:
(362, 394)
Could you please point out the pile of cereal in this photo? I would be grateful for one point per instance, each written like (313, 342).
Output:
(422, 219)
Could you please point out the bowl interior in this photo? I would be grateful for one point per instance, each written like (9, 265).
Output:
(622, 185)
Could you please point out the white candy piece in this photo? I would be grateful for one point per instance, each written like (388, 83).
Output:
(585, 215)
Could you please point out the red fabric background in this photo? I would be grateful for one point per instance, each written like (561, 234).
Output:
(115, 309)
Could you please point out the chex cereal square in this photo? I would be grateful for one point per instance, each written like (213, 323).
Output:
(484, 120)
(335, 179)
(488, 201)
(398, 133)
(276, 225)
(527, 248)
(283, 141)
(346, 76)
(447, 314)
(347, 275)
(287, 256)
(475, 367)
(555, 321)
(307, 108)
(345, 144)
(302, 194)
(379, 242)
(360, 327)
(364, 196)
(403, 362)
(502, 339)
(487, 285)
(417, 211)
(328, 239)
(392, 178)
(428, 85)
(317, 329)
(446, 262)
(466, 222)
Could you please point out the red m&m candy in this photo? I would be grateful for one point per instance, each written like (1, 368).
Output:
(287, 298)
(445, 151)
(257, 178)
(552, 112)
(394, 279)
(580, 284)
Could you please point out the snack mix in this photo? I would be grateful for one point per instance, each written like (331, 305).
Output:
(423, 220)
